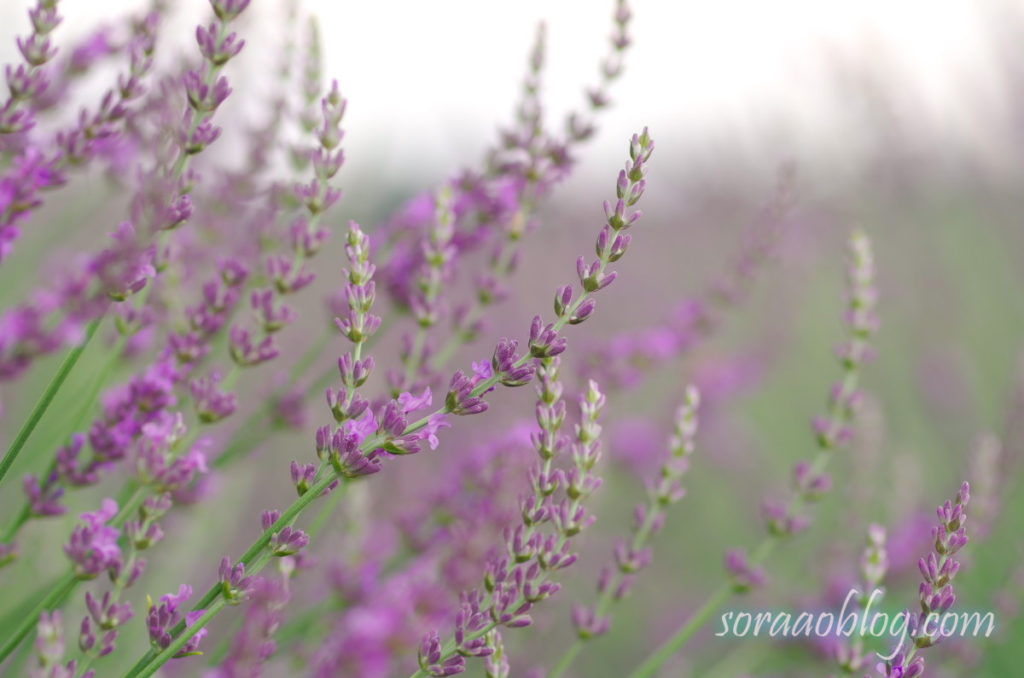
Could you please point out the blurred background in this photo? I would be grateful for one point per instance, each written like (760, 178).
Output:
(903, 118)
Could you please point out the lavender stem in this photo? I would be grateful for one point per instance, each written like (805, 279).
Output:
(65, 369)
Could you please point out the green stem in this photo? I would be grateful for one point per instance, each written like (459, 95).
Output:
(15, 614)
(568, 657)
(320, 522)
(70, 360)
(838, 416)
(607, 596)
(671, 646)
(85, 406)
(52, 599)
(309, 357)
(19, 520)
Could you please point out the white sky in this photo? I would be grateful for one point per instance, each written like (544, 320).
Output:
(429, 80)
(428, 72)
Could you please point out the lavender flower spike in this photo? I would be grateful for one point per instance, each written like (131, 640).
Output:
(810, 480)
(552, 514)
(28, 80)
(438, 253)
(850, 656)
(938, 569)
(632, 556)
(50, 650)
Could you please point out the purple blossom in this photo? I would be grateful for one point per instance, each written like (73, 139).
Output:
(744, 575)
(93, 547)
(166, 614)
(211, 403)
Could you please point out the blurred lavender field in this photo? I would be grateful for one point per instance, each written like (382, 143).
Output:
(735, 283)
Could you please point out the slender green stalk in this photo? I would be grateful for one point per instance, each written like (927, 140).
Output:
(606, 598)
(429, 285)
(55, 597)
(13, 615)
(34, 417)
(568, 657)
(308, 358)
(85, 406)
(322, 518)
(670, 647)
(682, 636)
(449, 649)
(20, 519)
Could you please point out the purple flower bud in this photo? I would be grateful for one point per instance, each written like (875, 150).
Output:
(583, 312)
(211, 404)
(245, 352)
(214, 49)
(544, 340)
(744, 575)
(228, 10)
(288, 541)
(303, 476)
(167, 614)
(348, 459)
(460, 399)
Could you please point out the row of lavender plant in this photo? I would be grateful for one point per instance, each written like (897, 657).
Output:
(488, 542)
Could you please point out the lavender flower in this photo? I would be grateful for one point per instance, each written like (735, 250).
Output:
(810, 481)
(631, 557)
(29, 79)
(204, 265)
(938, 569)
(166, 614)
(50, 650)
(537, 548)
(99, 628)
(289, 275)
(521, 170)
(874, 564)
(437, 255)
